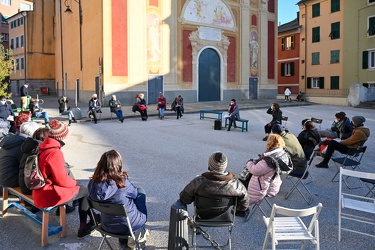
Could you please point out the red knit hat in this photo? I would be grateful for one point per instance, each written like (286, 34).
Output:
(57, 130)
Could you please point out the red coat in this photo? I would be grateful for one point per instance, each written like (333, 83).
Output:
(60, 187)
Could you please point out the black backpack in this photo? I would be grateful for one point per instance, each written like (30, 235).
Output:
(33, 177)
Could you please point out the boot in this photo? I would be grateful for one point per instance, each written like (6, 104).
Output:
(74, 120)
(70, 122)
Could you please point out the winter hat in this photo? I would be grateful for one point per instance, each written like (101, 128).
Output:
(57, 130)
(277, 129)
(217, 162)
(28, 128)
(141, 95)
(21, 118)
(358, 120)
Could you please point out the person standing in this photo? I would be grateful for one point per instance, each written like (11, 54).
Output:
(234, 113)
(64, 109)
(161, 105)
(115, 106)
(24, 92)
(287, 93)
(277, 115)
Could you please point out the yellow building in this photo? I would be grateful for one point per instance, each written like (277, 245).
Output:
(204, 50)
(337, 48)
(31, 38)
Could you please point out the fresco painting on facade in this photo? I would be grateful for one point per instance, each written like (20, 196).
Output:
(209, 12)
(154, 53)
(254, 50)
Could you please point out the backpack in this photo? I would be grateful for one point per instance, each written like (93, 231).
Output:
(33, 177)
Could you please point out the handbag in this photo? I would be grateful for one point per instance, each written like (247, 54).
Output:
(142, 107)
(244, 177)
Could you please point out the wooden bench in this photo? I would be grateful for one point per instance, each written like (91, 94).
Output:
(243, 121)
(202, 112)
(47, 229)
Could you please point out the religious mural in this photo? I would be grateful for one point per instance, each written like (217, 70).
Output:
(154, 51)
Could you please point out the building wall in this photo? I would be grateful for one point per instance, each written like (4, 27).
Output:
(10, 10)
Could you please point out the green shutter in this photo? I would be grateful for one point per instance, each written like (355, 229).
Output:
(335, 30)
(335, 56)
(292, 42)
(315, 34)
(335, 82)
(283, 69)
(308, 82)
(365, 59)
(315, 58)
(282, 43)
(321, 82)
(316, 10)
(335, 5)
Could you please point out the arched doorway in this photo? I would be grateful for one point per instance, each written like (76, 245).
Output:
(209, 76)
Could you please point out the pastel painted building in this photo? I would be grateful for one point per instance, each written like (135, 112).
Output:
(204, 50)
(288, 60)
(337, 48)
(32, 41)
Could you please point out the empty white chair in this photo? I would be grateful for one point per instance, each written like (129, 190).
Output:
(289, 228)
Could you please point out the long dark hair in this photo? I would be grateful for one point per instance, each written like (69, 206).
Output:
(110, 168)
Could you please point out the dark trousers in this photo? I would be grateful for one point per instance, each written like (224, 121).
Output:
(95, 114)
(332, 146)
(232, 120)
(83, 206)
(268, 128)
(178, 109)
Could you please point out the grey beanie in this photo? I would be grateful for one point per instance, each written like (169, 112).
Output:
(358, 120)
(217, 162)
(28, 128)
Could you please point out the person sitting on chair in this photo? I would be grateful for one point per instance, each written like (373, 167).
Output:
(359, 135)
(234, 113)
(141, 107)
(6, 111)
(216, 182)
(277, 115)
(308, 138)
(341, 128)
(161, 105)
(115, 106)
(265, 179)
(64, 109)
(95, 107)
(38, 112)
(111, 184)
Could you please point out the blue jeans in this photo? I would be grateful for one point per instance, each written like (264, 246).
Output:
(69, 113)
(118, 113)
(161, 111)
(42, 115)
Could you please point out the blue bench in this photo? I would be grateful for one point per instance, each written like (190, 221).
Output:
(202, 112)
(47, 229)
(243, 121)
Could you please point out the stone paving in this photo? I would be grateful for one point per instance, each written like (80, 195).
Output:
(164, 155)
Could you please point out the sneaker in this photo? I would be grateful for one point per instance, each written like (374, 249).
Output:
(322, 165)
(122, 119)
(87, 231)
(68, 210)
(265, 138)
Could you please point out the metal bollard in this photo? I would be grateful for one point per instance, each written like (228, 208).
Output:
(178, 237)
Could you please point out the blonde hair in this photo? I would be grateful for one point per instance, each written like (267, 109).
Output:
(275, 141)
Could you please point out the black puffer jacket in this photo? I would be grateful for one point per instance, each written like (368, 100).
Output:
(10, 156)
(210, 184)
(28, 147)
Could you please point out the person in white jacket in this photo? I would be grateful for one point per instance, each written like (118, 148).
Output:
(287, 94)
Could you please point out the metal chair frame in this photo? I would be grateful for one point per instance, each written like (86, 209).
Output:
(317, 121)
(299, 181)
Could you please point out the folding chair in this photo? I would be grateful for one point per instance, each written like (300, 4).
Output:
(351, 159)
(290, 228)
(354, 207)
(300, 177)
(256, 206)
(115, 210)
(214, 211)
(370, 184)
(317, 121)
(285, 119)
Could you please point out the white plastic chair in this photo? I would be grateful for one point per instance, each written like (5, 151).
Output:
(355, 207)
(289, 229)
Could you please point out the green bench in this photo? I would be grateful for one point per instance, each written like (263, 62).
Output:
(218, 113)
(243, 122)
(47, 229)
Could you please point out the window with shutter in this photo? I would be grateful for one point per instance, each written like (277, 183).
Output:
(371, 59)
(282, 43)
(335, 5)
(335, 31)
(335, 56)
(316, 10)
(315, 58)
(335, 82)
(371, 26)
(315, 34)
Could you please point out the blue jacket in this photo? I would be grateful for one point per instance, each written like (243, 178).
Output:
(109, 192)
(346, 129)
(5, 111)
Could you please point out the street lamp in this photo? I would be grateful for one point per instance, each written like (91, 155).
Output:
(69, 11)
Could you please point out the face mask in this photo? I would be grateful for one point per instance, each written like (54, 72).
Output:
(231, 103)
(95, 98)
(3, 102)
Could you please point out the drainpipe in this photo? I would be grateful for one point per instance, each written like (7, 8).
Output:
(62, 50)
(24, 14)
(305, 48)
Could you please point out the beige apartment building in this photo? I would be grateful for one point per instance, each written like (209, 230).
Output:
(206, 50)
(337, 48)
(31, 38)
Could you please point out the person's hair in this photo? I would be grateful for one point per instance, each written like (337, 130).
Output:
(276, 105)
(275, 141)
(40, 134)
(233, 100)
(340, 115)
(307, 124)
(2, 97)
(32, 100)
(110, 168)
